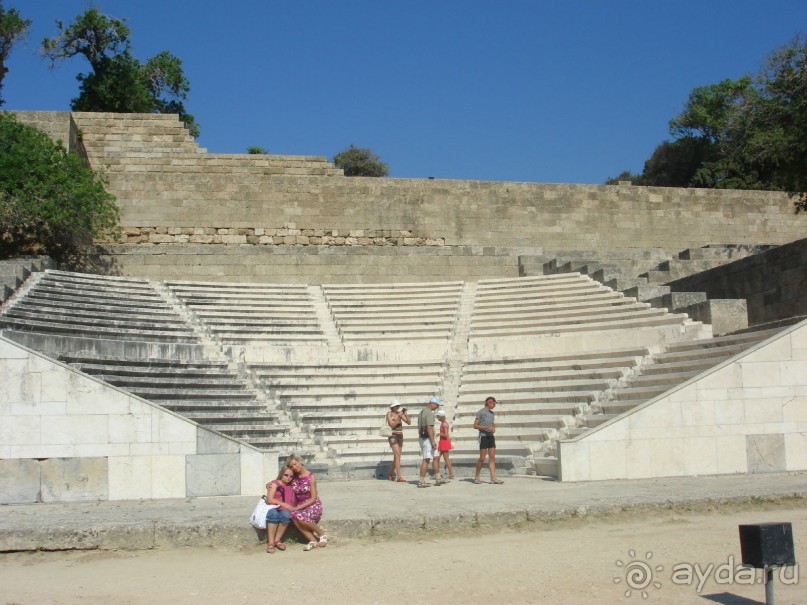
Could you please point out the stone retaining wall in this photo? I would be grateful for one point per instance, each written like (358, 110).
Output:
(773, 283)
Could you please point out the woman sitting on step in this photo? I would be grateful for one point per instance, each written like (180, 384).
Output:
(308, 508)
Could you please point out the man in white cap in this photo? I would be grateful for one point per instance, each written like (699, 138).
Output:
(428, 444)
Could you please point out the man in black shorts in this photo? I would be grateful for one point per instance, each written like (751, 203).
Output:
(485, 423)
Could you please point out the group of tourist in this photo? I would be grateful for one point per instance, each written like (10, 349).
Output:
(436, 445)
(293, 499)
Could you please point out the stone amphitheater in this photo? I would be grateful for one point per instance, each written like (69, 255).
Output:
(257, 305)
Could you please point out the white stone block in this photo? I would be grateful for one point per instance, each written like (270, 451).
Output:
(75, 429)
(168, 476)
(729, 412)
(31, 387)
(659, 414)
(637, 459)
(252, 473)
(667, 458)
(38, 450)
(574, 460)
(54, 384)
(700, 456)
(154, 448)
(760, 374)
(793, 373)
(97, 450)
(764, 411)
(608, 460)
(90, 397)
(795, 410)
(796, 451)
(38, 408)
(731, 456)
(10, 350)
(698, 413)
(129, 428)
(130, 478)
(173, 429)
(616, 431)
(723, 378)
(20, 430)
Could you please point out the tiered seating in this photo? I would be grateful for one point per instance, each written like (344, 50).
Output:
(239, 313)
(92, 306)
(394, 312)
(538, 395)
(208, 392)
(679, 363)
(343, 405)
(564, 303)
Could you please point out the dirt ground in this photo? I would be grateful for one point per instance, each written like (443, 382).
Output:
(654, 557)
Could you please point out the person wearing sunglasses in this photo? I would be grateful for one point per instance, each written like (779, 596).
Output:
(280, 497)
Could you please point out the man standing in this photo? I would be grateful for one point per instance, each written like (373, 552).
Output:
(485, 423)
(428, 444)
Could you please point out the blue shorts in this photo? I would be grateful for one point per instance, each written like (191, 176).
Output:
(278, 515)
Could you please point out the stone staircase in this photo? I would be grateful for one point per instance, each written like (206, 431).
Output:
(725, 315)
(332, 409)
(140, 147)
(109, 308)
(394, 312)
(341, 405)
(547, 305)
(14, 272)
(240, 313)
(652, 376)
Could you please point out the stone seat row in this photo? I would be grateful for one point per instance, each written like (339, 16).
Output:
(680, 362)
(206, 391)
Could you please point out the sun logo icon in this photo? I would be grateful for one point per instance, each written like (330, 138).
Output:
(639, 574)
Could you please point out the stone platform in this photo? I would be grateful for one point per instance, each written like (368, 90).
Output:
(374, 508)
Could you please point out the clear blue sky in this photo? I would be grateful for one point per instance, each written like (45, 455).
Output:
(557, 91)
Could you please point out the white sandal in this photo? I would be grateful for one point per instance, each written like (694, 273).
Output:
(323, 541)
(310, 546)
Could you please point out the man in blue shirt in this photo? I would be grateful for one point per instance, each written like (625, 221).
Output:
(485, 423)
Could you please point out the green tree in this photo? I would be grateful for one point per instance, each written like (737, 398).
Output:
(625, 175)
(749, 133)
(12, 29)
(257, 151)
(50, 203)
(360, 161)
(772, 133)
(118, 81)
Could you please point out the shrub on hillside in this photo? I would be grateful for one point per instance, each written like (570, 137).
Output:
(50, 203)
(359, 161)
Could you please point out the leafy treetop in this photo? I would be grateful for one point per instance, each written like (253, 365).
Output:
(118, 81)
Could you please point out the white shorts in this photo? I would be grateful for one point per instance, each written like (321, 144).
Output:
(426, 450)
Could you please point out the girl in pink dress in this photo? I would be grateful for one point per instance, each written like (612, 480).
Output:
(308, 509)
(444, 445)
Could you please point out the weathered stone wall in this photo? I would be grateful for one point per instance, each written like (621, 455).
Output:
(173, 194)
(774, 283)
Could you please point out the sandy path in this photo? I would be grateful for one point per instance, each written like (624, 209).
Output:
(570, 563)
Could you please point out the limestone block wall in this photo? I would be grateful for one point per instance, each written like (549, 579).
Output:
(66, 437)
(172, 193)
(307, 264)
(748, 415)
(773, 283)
